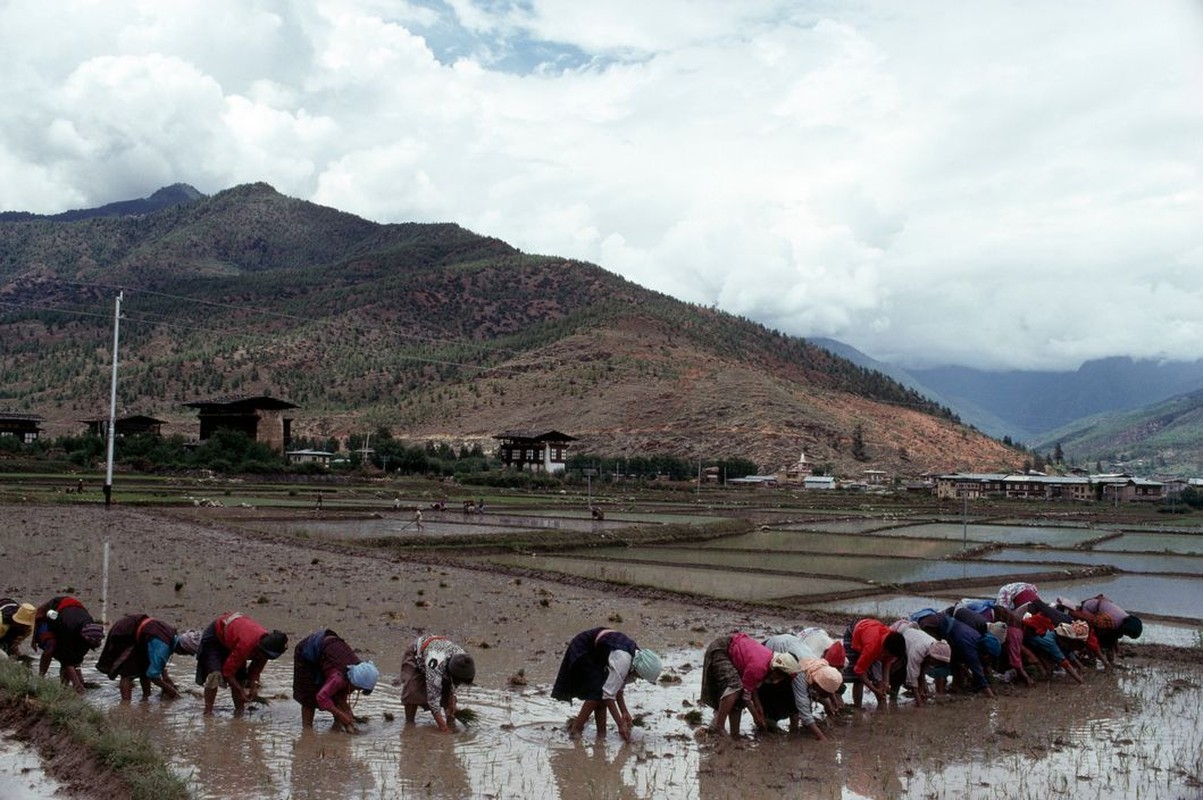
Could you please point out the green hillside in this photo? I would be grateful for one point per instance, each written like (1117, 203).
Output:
(1165, 438)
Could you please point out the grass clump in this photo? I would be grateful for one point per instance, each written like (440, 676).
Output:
(128, 754)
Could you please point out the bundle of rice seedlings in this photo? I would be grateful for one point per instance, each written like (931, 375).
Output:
(466, 716)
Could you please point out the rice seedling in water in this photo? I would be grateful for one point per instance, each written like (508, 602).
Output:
(466, 716)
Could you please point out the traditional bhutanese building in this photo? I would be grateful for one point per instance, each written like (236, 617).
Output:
(260, 418)
(534, 452)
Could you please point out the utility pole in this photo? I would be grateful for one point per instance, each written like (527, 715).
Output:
(965, 522)
(108, 478)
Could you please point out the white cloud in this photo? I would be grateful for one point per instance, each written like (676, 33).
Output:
(998, 184)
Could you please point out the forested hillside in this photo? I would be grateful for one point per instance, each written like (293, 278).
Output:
(1165, 438)
(430, 331)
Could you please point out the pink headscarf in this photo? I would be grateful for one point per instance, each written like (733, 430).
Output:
(819, 673)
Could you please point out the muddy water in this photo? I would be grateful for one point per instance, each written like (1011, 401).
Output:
(785, 540)
(1117, 737)
(21, 775)
(1156, 542)
(709, 582)
(870, 568)
(1018, 534)
(434, 524)
(1129, 562)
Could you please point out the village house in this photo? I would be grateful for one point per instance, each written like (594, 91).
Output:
(1119, 488)
(323, 457)
(534, 452)
(135, 425)
(1045, 487)
(876, 477)
(260, 418)
(1124, 488)
(25, 428)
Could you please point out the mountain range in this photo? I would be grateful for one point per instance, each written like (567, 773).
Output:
(1121, 412)
(435, 333)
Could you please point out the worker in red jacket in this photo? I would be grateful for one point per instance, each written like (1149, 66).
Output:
(234, 649)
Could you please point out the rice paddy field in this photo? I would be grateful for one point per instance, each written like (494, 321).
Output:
(547, 569)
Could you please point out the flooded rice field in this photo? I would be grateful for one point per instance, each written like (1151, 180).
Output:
(1120, 735)
(432, 524)
(866, 568)
(695, 580)
(21, 774)
(773, 540)
(1185, 543)
(1128, 562)
(1006, 534)
(1116, 737)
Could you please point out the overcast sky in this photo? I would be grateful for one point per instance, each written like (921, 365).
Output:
(1002, 185)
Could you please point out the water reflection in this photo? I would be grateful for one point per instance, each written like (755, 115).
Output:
(954, 748)
(326, 767)
(600, 767)
(430, 761)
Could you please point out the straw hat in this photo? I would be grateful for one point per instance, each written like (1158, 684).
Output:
(25, 615)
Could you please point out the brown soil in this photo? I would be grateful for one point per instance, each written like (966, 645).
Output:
(188, 570)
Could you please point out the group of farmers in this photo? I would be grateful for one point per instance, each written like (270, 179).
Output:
(964, 647)
(231, 652)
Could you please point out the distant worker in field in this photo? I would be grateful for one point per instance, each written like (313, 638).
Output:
(596, 668)
(139, 647)
(431, 669)
(325, 670)
(16, 624)
(733, 669)
(234, 649)
(65, 632)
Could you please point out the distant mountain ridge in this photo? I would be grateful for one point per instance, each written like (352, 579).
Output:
(166, 197)
(432, 331)
(1034, 403)
(1118, 411)
(1164, 438)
